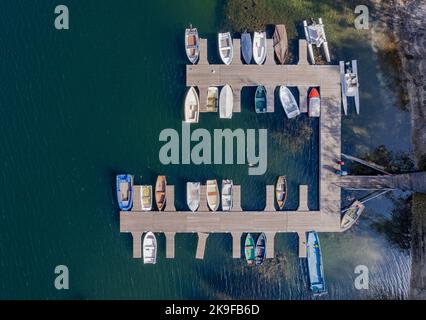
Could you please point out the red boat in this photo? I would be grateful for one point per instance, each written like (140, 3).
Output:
(314, 103)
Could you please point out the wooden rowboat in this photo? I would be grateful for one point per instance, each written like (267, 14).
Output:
(160, 192)
(280, 43)
(281, 191)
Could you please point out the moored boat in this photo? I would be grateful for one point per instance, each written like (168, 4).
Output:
(289, 103)
(124, 185)
(249, 250)
(314, 102)
(227, 194)
(212, 99)
(192, 106)
(192, 44)
(149, 248)
(259, 47)
(146, 198)
(160, 192)
(226, 47)
(193, 195)
(281, 191)
(246, 47)
(213, 196)
(260, 249)
(315, 265)
(349, 83)
(352, 215)
(280, 43)
(260, 99)
(226, 102)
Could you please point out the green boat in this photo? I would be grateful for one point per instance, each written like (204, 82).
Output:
(250, 250)
(260, 99)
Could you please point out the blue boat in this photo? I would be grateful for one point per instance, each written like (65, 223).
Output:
(246, 47)
(315, 266)
(260, 99)
(125, 191)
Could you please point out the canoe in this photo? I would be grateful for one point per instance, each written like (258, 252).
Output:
(226, 102)
(149, 248)
(249, 250)
(352, 215)
(160, 192)
(226, 47)
(192, 44)
(124, 185)
(281, 191)
(192, 106)
(246, 47)
(212, 99)
(213, 196)
(227, 194)
(289, 103)
(193, 195)
(280, 43)
(260, 249)
(260, 99)
(146, 198)
(315, 266)
(314, 102)
(259, 47)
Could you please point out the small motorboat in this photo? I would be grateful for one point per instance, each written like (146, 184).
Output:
(212, 99)
(226, 102)
(149, 249)
(192, 106)
(280, 43)
(146, 198)
(349, 83)
(352, 215)
(193, 195)
(259, 47)
(213, 196)
(192, 44)
(124, 185)
(315, 266)
(260, 249)
(314, 102)
(281, 191)
(227, 194)
(249, 250)
(260, 99)
(226, 47)
(246, 47)
(315, 35)
(289, 103)
(160, 192)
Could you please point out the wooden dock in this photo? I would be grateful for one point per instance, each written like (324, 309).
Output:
(237, 222)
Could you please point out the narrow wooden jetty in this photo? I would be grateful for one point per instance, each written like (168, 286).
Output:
(237, 222)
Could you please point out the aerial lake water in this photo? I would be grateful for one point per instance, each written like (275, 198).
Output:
(78, 107)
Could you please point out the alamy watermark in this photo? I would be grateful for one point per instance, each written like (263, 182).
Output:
(177, 150)
(62, 280)
(362, 21)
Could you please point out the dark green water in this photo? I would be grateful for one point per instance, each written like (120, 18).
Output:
(79, 106)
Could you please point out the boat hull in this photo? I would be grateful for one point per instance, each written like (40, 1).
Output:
(149, 248)
(259, 47)
(192, 106)
(280, 43)
(315, 265)
(249, 250)
(193, 195)
(260, 249)
(281, 191)
(246, 47)
(124, 187)
(352, 215)
(226, 102)
(227, 195)
(288, 101)
(314, 103)
(146, 198)
(212, 99)
(260, 99)
(226, 47)
(213, 197)
(192, 45)
(160, 193)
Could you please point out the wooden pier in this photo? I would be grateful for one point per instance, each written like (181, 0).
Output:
(237, 222)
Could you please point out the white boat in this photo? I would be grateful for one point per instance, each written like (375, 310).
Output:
(227, 194)
(289, 103)
(226, 102)
(226, 47)
(352, 215)
(212, 99)
(192, 106)
(146, 198)
(259, 47)
(149, 248)
(315, 35)
(349, 83)
(193, 195)
(314, 103)
(213, 196)
(192, 44)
